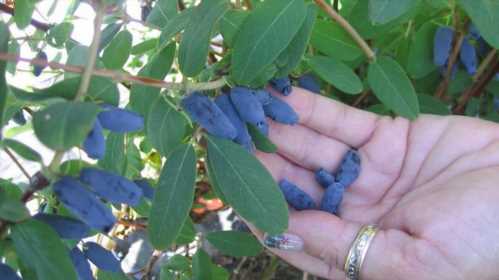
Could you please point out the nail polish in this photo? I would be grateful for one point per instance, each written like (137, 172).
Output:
(285, 241)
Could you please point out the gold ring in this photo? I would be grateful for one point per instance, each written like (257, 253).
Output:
(358, 251)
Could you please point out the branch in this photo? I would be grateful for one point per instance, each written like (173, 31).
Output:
(118, 76)
(442, 88)
(348, 28)
(14, 159)
(39, 25)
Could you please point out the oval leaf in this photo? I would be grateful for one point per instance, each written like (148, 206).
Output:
(63, 125)
(235, 243)
(336, 73)
(23, 150)
(118, 51)
(247, 185)
(384, 11)
(163, 12)
(4, 48)
(173, 197)
(391, 85)
(195, 43)
(23, 12)
(204, 269)
(41, 249)
(420, 60)
(331, 39)
(265, 33)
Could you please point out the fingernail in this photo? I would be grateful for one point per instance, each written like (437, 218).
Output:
(285, 241)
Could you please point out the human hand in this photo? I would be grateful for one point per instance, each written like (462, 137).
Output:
(430, 185)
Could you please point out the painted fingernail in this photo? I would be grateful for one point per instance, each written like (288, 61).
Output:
(285, 241)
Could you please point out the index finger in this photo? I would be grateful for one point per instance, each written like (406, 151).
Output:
(349, 125)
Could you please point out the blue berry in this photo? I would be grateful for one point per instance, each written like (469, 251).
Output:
(66, 227)
(468, 57)
(115, 188)
(309, 82)
(263, 96)
(146, 188)
(280, 111)
(101, 257)
(7, 273)
(442, 45)
(95, 143)
(297, 198)
(349, 169)
(206, 113)
(282, 85)
(19, 118)
(243, 137)
(332, 198)
(84, 204)
(37, 70)
(120, 120)
(324, 178)
(247, 105)
(81, 264)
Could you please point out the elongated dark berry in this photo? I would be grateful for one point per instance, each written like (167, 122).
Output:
(243, 137)
(468, 57)
(206, 113)
(66, 227)
(19, 118)
(280, 111)
(442, 45)
(7, 273)
(81, 264)
(332, 198)
(37, 70)
(263, 96)
(101, 257)
(115, 188)
(297, 198)
(146, 188)
(120, 120)
(349, 168)
(282, 85)
(84, 204)
(247, 105)
(95, 143)
(309, 82)
(324, 178)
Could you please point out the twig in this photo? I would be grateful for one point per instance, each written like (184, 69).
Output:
(442, 88)
(485, 62)
(119, 76)
(93, 52)
(14, 159)
(305, 276)
(348, 28)
(361, 98)
(248, 5)
(39, 25)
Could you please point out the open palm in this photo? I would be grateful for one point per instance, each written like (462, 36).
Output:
(432, 186)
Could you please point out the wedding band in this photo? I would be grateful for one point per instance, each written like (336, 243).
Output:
(358, 251)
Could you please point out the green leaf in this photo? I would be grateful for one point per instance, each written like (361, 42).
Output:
(247, 185)
(23, 12)
(175, 25)
(331, 39)
(230, 24)
(64, 125)
(118, 51)
(144, 46)
(261, 141)
(11, 209)
(195, 43)
(336, 73)
(108, 34)
(420, 61)
(391, 85)
(173, 198)
(265, 33)
(4, 47)
(384, 11)
(187, 233)
(162, 12)
(23, 150)
(293, 54)
(204, 269)
(59, 34)
(165, 125)
(141, 97)
(432, 105)
(41, 249)
(107, 275)
(235, 243)
(178, 263)
(485, 15)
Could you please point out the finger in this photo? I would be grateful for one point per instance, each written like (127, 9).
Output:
(306, 147)
(332, 118)
(393, 254)
(280, 168)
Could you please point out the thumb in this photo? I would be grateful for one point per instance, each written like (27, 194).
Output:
(393, 254)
